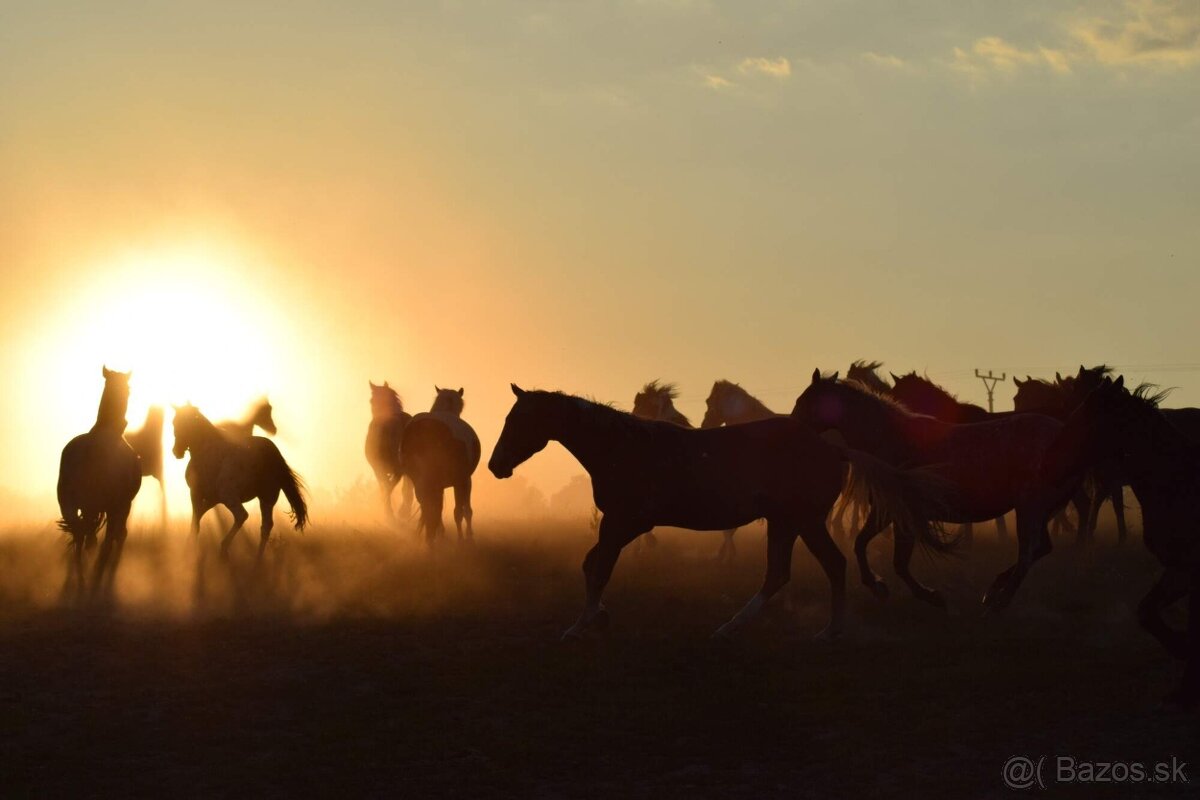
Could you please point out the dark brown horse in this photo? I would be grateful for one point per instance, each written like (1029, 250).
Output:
(989, 466)
(98, 477)
(230, 470)
(647, 473)
(441, 451)
(1163, 465)
(384, 435)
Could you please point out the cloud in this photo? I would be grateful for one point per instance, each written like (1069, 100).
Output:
(885, 60)
(992, 53)
(716, 82)
(1144, 33)
(777, 68)
(1159, 33)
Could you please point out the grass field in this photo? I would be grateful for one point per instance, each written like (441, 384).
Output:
(363, 664)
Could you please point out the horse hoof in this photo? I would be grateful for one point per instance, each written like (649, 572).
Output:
(600, 621)
(879, 589)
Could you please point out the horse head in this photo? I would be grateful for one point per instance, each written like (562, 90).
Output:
(823, 405)
(525, 433)
(449, 401)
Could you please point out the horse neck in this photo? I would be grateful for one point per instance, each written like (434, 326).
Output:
(751, 408)
(874, 424)
(587, 435)
(207, 439)
(112, 410)
(672, 414)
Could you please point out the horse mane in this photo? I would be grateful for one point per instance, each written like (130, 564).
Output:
(1150, 395)
(657, 387)
(866, 372)
(726, 385)
(877, 396)
(925, 383)
(863, 364)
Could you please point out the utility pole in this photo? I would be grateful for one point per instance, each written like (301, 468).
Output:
(989, 383)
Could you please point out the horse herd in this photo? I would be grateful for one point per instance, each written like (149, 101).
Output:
(905, 453)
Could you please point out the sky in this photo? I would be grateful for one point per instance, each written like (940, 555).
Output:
(295, 198)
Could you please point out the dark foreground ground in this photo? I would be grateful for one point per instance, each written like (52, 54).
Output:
(367, 666)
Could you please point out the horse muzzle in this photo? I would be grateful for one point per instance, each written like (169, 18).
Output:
(499, 469)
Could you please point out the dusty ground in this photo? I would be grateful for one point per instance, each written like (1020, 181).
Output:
(367, 666)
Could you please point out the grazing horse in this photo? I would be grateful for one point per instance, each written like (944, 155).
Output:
(147, 443)
(989, 468)
(867, 373)
(441, 451)
(1163, 465)
(922, 396)
(646, 473)
(229, 470)
(384, 434)
(98, 477)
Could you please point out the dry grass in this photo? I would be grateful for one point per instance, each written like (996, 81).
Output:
(363, 664)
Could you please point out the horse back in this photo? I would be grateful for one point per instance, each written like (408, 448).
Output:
(441, 447)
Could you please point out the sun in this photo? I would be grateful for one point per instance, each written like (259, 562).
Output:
(190, 328)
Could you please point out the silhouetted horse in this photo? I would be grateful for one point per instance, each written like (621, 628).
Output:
(647, 473)
(98, 477)
(989, 468)
(922, 396)
(867, 373)
(1057, 400)
(1164, 469)
(231, 470)
(441, 451)
(657, 401)
(260, 415)
(384, 434)
(729, 404)
(147, 443)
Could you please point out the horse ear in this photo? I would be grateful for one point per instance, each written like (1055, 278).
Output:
(816, 375)
(1082, 369)
(385, 385)
(1120, 382)
(895, 377)
(105, 371)
(460, 391)
(1016, 381)
(1058, 377)
(517, 390)
(437, 389)
(835, 374)
(371, 383)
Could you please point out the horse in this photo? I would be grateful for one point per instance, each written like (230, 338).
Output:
(647, 473)
(260, 415)
(439, 451)
(922, 396)
(146, 441)
(1055, 399)
(98, 476)
(867, 373)
(988, 466)
(225, 469)
(657, 401)
(1163, 465)
(729, 404)
(382, 448)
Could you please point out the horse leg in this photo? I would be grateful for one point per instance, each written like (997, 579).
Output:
(781, 537)
(162, 492)
(1171, 586)
(118, 528)
(1001, 528)
(266, 505)
(873, 527)
(239, 519)
(431, 513)
(1033, 542)
(597, 569)
(406, 497)
(102, 557)
(1188, 693)
(462, 508)
(1087, 530)
(1118, 504)
(74, 581)
(901, 558)
(727, 550)
(816, 538)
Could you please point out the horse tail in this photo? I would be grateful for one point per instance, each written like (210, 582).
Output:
(293, 489)
(73, 521)
(893, 493)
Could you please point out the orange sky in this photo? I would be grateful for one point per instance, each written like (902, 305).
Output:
(581, 198)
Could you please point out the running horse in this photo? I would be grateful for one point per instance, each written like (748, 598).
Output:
(382, 448)
(989, 468)
(228, 470)
(441, 451)
(647, 473)
(98, 477)
(1163, 465)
